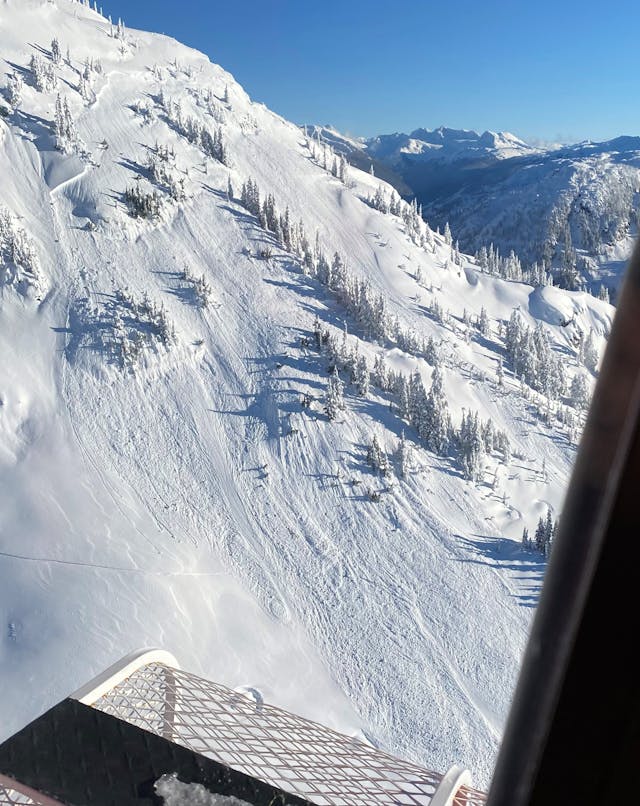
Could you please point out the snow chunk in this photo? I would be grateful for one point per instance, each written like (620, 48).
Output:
(177, 793)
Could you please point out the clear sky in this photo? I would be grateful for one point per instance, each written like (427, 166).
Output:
(558, 71)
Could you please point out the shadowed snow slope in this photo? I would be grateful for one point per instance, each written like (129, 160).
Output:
(168, 475)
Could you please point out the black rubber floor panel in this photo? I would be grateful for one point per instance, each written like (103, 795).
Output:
(83, 757)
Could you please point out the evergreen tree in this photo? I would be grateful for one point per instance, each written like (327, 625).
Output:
(471, 447)
(14, 90)
(404, 400)
(501, 443)
(84, 88)
(44, 76)
(590, 353)
(56, 55)
(404, 457)
(334, 400)
(380, 373)
(569, 258)
(488, 437)
(431, 352)
(361, 376)
(483, 322)
(436, 421)
(540, 539)
(548, 531)
(579, 391)
(417, 400)
(142, 205)
(377, 457)
(342, 168)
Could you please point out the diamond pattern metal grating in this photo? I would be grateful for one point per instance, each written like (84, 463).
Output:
(277, 747)
(268, 743)
(9, 797)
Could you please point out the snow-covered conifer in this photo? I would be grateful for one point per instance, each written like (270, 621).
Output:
(431, 352)
(402, 393)
(361, 376)
(471, 447)
(482, 258)
(483, 322)
(437, 422)
(579, 391)
(43, 72)
(342, 168)
(488, 436)
(56, 54)
(334, 400)
(540, 538)
(404, 457)
(590, 353)
(15, 85)
(569, 258)
(380, 373)
(377, 456)
(142, 205)
(417, 402)
(502, 443)
(18, 256)
(84, 88)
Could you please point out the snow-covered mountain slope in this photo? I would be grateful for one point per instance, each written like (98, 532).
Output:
(172, 471)
(494, 188)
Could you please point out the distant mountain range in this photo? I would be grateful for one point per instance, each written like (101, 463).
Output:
(495, 188)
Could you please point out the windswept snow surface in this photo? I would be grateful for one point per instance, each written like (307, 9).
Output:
(191, 501)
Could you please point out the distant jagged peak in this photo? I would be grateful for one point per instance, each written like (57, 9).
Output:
(447, 143)
(444, 134)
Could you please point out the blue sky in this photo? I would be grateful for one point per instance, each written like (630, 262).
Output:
(550, 70)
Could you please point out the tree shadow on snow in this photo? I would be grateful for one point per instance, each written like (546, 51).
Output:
(40, 130)
(527, 568)
(180, 288)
